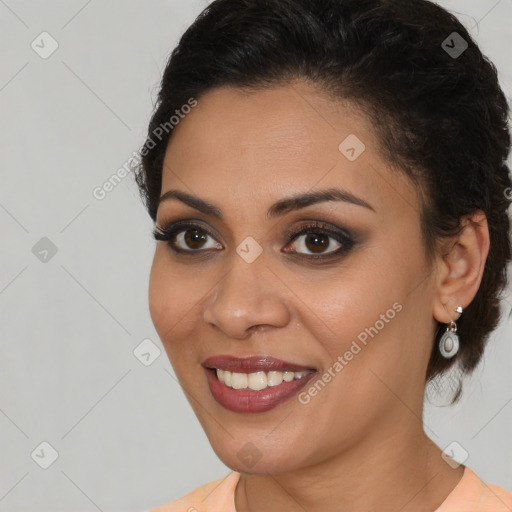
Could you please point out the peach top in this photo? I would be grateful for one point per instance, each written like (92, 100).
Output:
(470, 495)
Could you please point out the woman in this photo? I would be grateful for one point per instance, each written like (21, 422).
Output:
(330, 194)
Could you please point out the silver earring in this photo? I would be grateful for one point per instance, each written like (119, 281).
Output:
(449, 342)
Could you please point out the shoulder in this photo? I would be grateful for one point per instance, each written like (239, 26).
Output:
(218, 496)
(472, 494)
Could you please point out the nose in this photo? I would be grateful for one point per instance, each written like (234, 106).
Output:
(249, 296)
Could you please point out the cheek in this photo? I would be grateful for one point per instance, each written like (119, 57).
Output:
(171, 298)
(368, 313)
(350, 300)
(354, 318)
(160, 303)
(374, 337)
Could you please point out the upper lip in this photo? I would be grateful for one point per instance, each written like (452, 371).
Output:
(251, 364)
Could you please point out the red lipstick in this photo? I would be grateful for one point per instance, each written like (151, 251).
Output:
(252, 364)
(249, 400)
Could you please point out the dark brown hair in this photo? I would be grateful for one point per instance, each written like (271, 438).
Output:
(440, 117)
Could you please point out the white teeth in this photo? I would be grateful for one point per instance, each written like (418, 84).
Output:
(258, 380)
(239, 380)
(288, 376)
(274, 378)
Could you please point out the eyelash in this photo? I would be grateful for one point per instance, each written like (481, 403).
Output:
(168, 234)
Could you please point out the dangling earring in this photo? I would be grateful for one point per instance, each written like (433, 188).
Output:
(449, 342)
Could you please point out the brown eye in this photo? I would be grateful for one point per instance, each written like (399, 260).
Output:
(194, 238)
(184, 237)
(315, 243)
(319, 240)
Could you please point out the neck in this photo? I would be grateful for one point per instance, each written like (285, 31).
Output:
(395, 469)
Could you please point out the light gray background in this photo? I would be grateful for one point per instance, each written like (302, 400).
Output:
(126, 437)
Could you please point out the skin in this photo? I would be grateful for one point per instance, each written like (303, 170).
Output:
(359, 444)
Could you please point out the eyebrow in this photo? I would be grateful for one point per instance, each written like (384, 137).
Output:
(281, 207)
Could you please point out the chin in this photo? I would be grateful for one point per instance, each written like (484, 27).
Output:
(258, 454)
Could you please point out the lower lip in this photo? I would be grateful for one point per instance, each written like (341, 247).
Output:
(247, 400)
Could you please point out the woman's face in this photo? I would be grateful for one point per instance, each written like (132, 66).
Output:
(349, 298)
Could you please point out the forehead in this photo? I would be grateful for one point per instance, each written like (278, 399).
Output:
(272, 142)
(288, 122)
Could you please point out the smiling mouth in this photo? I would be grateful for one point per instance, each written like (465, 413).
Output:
(258, 380)
(254, 384)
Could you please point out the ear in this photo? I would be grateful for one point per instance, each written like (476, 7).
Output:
(460, 267)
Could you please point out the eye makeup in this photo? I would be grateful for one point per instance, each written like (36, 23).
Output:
(181, 234)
